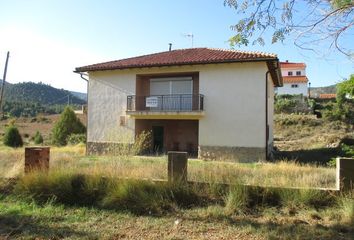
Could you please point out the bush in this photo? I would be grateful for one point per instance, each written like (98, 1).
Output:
(68, 124)
(292, 104)
(76, 138)
(38, 138)
(12, 137)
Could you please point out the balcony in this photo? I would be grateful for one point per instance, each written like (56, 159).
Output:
(176, 106)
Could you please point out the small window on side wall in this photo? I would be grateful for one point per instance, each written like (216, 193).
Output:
(290, 73)
(298, 73)
(294, 86)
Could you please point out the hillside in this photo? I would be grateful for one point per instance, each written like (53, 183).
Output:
(40, 93)
(316, 91)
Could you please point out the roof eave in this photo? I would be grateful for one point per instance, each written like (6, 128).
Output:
(93, 69)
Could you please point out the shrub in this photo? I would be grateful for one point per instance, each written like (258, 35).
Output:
(12, 137)
(38, 138)
(67, 125)
(76, 138)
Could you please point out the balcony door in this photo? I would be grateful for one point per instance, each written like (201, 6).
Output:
(173, 94)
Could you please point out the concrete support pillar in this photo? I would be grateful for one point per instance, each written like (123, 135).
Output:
(345, 173)
(37, 158)
(177, 167)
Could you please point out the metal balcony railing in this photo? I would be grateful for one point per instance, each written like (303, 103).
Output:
(175, 102)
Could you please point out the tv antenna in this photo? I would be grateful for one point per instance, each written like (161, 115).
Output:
(189, 35)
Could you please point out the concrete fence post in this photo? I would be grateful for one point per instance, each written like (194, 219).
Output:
(177, 167)
(37, 158)
(345, 173)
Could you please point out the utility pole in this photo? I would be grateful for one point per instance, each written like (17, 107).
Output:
(3, 81)
(68, 99)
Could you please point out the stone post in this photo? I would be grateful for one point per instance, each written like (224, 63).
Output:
(345, 173)
(177, 167)
(36, 158)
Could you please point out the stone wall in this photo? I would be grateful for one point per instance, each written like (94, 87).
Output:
(232, 154)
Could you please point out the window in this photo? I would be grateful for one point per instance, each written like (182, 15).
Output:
(298, 73)
(174, 93)
(290, 73)
(294, 86)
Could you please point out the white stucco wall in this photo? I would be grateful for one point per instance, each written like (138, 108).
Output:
(287, 89)
(285, 71)
(107, 101)
(234, 103)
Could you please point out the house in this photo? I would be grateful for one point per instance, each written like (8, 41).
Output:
(327, 96)
(211, 102)
(294, 77)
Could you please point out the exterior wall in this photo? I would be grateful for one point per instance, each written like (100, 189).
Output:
(287, 89)
(270, 114)
(284, 71)
(234, 106)
(107, 102)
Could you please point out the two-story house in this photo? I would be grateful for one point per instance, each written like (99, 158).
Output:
(211, 102)
(294, 78)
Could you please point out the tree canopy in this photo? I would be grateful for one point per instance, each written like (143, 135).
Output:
(313, 22)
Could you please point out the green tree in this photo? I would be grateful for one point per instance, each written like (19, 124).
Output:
(38, 138)
(345, 90)
(311, 21)
(12, 137)
(67, 125)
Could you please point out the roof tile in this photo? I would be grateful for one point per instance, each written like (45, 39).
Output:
(181, 57)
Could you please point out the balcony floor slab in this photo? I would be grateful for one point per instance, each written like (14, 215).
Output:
(190, 115)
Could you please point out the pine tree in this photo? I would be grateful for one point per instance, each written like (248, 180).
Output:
(12, 137)
(67, 125)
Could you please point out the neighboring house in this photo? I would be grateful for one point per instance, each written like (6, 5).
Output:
(327, 96)
(211, 102)
(294, 77)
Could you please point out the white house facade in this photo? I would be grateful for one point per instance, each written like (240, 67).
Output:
(294, 79)
(217, 104)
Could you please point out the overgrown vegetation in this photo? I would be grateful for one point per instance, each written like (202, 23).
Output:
(76, 138)
(308, 213)
(343, 108)
(287, 103)
(68, 124)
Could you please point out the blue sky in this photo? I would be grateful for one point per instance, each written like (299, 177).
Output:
(48, 39)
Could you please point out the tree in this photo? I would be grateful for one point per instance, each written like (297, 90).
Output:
(12, 137)
(345, 90)
(312, 21)
(67, 125)
(38, 138)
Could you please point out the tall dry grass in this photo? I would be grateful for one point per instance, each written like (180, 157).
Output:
(73, 158)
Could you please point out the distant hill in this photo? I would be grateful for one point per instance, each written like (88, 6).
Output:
(41, 93)
(82, 96)
(321, 90)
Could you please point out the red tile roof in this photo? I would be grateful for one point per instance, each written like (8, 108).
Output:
(295, 79)
(189, 56)
(292, 65)
(327, 95)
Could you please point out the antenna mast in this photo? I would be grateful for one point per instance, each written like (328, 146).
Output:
(191, 36)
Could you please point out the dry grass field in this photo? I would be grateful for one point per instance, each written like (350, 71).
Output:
(90, 197)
